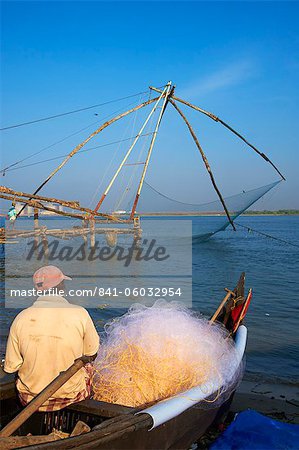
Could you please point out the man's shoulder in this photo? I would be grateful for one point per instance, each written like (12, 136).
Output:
(25, 312)
(78, 310)
(36, 309)
(22, 316)
(37, 306)
(83, 311)
(79, 314)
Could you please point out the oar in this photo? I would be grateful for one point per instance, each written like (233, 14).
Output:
(243, 312)
(44, 395)
(217, 312)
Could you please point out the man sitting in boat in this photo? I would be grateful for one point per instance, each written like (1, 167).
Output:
(46, 338)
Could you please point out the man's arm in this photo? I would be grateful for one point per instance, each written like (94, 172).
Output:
(91, 340)
(13, 357)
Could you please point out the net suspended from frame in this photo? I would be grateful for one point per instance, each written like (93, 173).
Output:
(153, 202)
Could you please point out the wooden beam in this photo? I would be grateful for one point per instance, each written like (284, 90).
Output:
(13, 442)
(69, 204)
(6, 193)
(129, 152)
(39, 205)
(99, 408)
(218, 310)
(79, 146)
(168, 91)
(217, 119)
(205, 160)
(92, 232)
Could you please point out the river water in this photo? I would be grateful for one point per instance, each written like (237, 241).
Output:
(271, 270)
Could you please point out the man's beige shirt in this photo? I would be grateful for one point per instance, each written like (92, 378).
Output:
(44, 340)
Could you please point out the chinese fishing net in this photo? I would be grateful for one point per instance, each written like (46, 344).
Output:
(152, 353)
(154, 202)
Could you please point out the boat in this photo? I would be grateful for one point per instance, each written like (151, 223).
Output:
(173, 423)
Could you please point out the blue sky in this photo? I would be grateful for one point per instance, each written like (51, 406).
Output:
(238, 60)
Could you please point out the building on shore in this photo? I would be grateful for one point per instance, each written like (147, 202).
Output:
(29, 210)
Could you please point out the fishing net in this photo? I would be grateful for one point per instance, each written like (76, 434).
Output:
(154, 202)
(152, 353)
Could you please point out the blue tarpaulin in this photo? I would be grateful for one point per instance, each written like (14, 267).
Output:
(253, 431)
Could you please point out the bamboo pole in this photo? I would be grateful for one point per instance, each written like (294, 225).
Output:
(36, 227)
(217, 119)
(69, 204)
(79, 146)
(45, 244)
(35, 218)
(129, 152)
(217, 312)
(39, 205)
(92, 232)
(4, 191)
(169, 91)
(204, 158)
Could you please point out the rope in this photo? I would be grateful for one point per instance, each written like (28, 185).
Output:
(122, 175)
(103, 178)
(8, 168)
(128, 186)
(269, 236)
(200, 204)
(217, 119)
(79, 153)
(70, 112)
(133, 174)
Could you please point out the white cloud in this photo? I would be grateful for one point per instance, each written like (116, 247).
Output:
(231, 75)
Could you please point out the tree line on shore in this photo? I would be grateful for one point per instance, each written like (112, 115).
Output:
(280, 212)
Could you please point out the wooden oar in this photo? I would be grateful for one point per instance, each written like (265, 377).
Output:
(217, 312)
(44, 395)
(243, 312)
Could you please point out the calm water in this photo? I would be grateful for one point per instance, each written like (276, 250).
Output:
(271, 270)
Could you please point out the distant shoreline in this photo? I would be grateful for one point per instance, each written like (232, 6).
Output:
(222, 214)
(249, 213)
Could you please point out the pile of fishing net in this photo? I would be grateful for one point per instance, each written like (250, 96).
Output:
(152, 353)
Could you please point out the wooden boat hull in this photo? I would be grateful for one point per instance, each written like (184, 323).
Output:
(174, 423)
(112, 426)
(177, 433)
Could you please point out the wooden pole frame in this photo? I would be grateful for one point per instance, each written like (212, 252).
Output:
(38, 205)
(35, 201)
(129, 151)
(217, 119)
(69, 204)
(79, 146)
(168, 91)
(206, 162)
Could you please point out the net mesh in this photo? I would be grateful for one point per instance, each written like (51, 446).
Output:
(154, 202)
(152, 353)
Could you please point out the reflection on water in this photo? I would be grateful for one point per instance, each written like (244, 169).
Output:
(125, 273)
